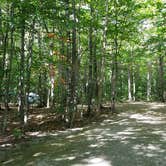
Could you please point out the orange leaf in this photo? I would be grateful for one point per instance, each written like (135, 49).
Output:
(62, 81)
(50, 35)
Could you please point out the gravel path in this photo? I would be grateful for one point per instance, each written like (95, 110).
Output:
(135, 137)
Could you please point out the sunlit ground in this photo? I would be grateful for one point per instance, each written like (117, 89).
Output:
(134, 137)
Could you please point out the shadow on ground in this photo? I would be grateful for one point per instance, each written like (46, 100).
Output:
(135, 137)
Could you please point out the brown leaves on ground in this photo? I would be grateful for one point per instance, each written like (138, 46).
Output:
(44, 120)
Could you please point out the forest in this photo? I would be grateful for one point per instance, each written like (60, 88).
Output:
(65, 64)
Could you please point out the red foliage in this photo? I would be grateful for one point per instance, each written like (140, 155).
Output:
(50, 35)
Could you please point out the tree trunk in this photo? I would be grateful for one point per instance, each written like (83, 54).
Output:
(90, 78)
(113, 85)
(8, 72)
(114, 66)
(5, 42)
(74, 69)
(1, 32)
(21, 98)
(102, 60)
(28, 71)
(48, 98)
(129, 85)
(161, 78)
(134, 86)
(66, 116)
(42, 80)
(2, 62)
(149, 76)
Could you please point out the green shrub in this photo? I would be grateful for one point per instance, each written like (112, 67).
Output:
(17, 133)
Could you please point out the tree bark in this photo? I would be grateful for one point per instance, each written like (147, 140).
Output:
(161, 78)
(102, 60)
(42, 80)
(134, 86)
(149, 77)
(114, 64)
(21, 98)
(5, 43)
(74, 69)
(90, 77)
(28, 71)
(129, 85)
(8, 70)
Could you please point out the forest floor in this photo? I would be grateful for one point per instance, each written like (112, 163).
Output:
(134, 137)
(42, 121)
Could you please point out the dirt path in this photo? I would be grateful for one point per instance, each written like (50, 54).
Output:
(135, 137)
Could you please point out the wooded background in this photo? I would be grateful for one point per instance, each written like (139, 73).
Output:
(89, 52)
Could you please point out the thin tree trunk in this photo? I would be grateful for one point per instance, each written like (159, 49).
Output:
(48, 98)
(28, 72)
(1, 63)
(149, 77)
(5, 43)
(114, 68)
(95, 73)
(90, 78)
(74, 69)
(1, 32)
(22, 73)
(41, 73)
(68, 73)
(161, 78)
(134, 86)
(114, 77)
(113, 86)
(129, 85)
(8, 72)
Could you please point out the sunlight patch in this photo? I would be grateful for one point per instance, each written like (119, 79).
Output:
(40, 116)
(95, 161)
(71, 158)
(107, 120)
(125, 133)
(98, 162)
(76, 129)
(30, 163)
(152, 147)
(70, 136)
(37, 133)
(6, 145)
(53, 134)
(38, 154)
(65, 158)
(149, 150)
(93, 145)
(57, 144)
(157, 105)
(147, 119)
(9, 161)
